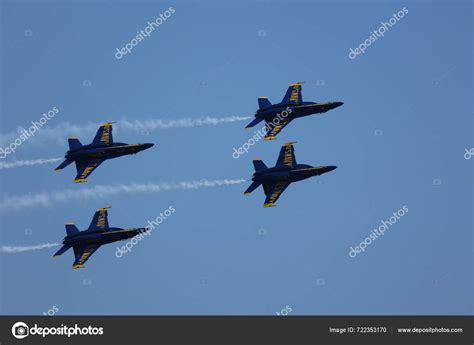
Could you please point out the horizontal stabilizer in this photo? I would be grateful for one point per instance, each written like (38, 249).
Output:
(64, 164)
(259, 165)
(74, 144)
(254, 122)
(264, 103)
(252, 187)
(71, 229)
(62, 250)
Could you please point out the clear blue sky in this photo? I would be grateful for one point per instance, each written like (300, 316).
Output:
(413, 86)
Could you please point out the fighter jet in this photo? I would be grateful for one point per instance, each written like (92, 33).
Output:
(89, 157)
(277, 116)
(275, 180)
(85, 243)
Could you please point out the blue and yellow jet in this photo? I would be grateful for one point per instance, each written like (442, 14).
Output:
(279, 115)
(85, 243)
(275, 180)
(89, 157)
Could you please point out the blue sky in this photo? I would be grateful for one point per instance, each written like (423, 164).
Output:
(398, 140)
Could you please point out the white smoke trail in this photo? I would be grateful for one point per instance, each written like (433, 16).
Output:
(22, 249)
(86, 132)
(17, 164)
(151, 125)
(16, 202)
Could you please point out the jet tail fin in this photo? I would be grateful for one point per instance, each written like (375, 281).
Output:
(264, 103)
(64, 164)
(62, 250)
(254, 122)
(259, 165)
(74, 143)
(252, 187)
(71, 229)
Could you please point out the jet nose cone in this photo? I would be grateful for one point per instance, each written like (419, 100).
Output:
(148, 145)
(331, 168)
(337, 104)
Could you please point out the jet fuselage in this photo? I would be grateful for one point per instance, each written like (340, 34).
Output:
(100, 237)
(106, 151)
(294, 111)
(297, 173)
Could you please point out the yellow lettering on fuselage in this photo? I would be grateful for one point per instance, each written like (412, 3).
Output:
(101, 220)
(294, 94)
(288, 159)
(105, 138)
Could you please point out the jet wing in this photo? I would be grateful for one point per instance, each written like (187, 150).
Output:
(99, 221)
(273, 191)
(104, 134)
(293, 94)
(83, 253)
(286, 158)
(85, 168)
(272, 130)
